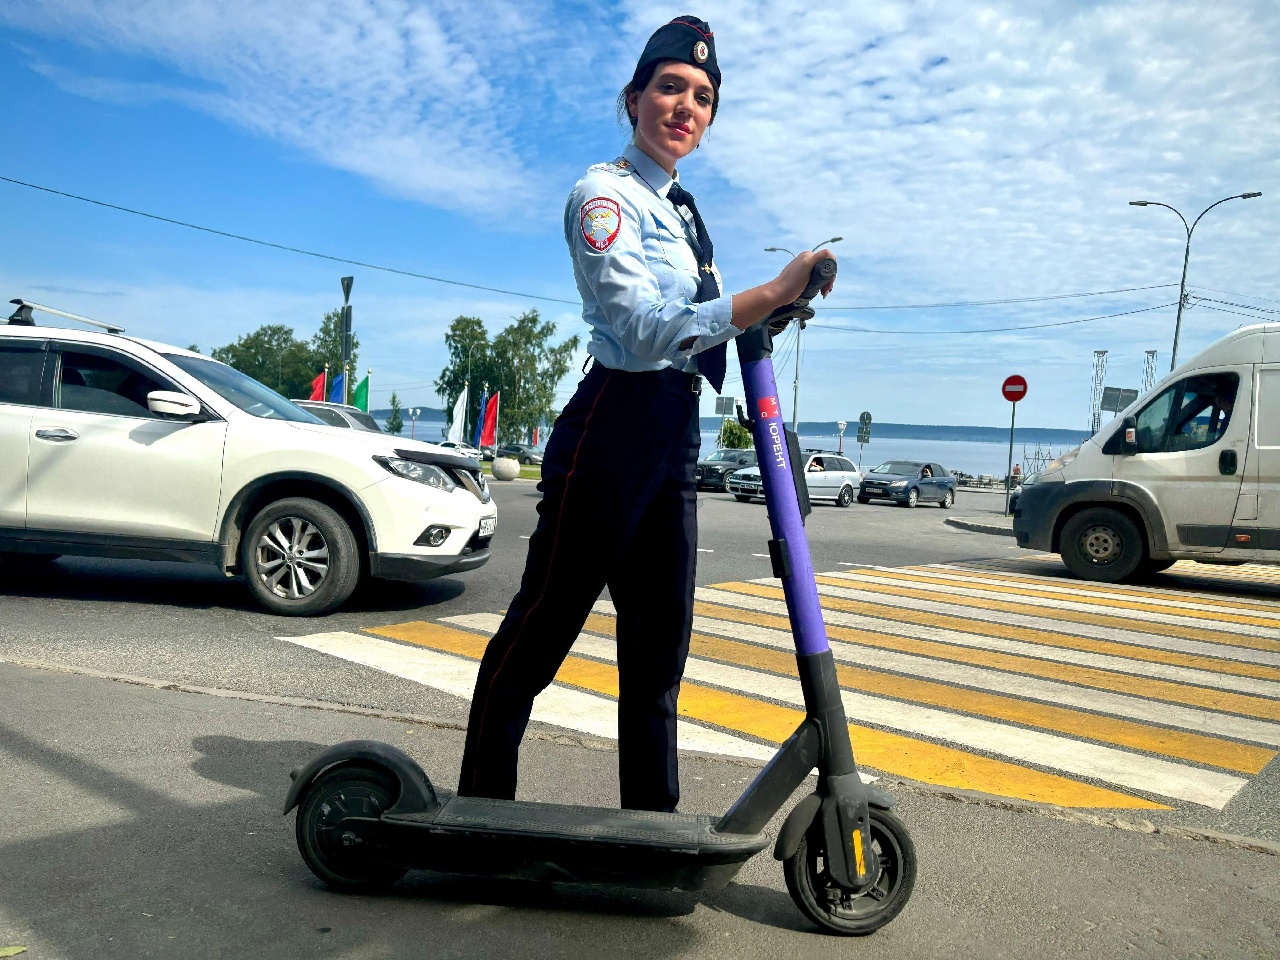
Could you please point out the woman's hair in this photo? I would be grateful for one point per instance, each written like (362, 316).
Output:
(641, 80)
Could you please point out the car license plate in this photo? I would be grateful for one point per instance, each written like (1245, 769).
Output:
(487, 526)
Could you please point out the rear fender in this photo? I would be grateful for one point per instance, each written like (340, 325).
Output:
(416, 792)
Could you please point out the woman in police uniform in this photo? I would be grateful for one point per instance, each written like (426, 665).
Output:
(619, 498)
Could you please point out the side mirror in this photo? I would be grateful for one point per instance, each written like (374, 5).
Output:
(170, 403)
(1129, 435)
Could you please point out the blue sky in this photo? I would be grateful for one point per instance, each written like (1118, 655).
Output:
(964, 151)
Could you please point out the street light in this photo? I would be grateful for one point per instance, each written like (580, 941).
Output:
(413, 419)
(795, 383)
(1186, 255)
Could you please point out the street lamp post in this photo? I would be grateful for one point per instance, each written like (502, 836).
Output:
(413, 419)
(1186, 255)
(795, 381)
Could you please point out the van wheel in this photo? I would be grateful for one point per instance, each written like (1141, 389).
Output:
(1150, 568)
(300, 558)
(1102, 544)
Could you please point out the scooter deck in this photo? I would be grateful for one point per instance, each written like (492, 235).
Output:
(558, 842)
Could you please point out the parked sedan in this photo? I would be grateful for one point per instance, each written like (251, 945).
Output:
(462, 449)
(711, 472)
(829, 476)
(908, 482)
(340, 415)
(524, 452)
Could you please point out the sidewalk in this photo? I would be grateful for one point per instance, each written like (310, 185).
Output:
(146, 822)
(993, 524)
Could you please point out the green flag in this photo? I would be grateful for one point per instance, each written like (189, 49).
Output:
(360, 398)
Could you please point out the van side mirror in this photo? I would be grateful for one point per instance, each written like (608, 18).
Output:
(1129, 435)
(170, 403)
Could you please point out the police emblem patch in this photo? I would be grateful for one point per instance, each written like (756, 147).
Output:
(600, 219)
(700, 51)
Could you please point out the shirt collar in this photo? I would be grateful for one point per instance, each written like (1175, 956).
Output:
(650, 170)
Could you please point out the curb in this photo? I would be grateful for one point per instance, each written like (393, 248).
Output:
(977, 527)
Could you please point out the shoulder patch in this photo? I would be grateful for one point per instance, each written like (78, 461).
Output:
(600, 220)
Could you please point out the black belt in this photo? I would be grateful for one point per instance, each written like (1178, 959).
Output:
(694, 379)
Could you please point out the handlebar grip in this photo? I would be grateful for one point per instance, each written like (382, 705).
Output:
(821, 275)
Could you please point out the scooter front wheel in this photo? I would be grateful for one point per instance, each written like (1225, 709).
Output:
(335, 856)
(839, 910)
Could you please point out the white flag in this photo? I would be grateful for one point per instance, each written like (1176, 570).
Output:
(457, 425)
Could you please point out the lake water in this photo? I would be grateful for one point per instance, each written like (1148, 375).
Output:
(967, 456)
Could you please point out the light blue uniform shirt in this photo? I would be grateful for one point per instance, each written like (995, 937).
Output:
(636, 270)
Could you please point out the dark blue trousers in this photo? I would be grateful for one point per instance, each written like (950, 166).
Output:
(619, 509)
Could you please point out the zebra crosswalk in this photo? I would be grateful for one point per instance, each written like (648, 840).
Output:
(998, 677)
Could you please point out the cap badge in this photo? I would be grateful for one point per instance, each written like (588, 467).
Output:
(700, 51)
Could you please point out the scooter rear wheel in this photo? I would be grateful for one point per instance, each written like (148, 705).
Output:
(838, 910)
(336, 856)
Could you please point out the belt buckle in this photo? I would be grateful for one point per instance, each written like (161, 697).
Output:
(696, 385)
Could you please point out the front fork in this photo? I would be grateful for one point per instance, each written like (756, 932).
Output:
(844, 811)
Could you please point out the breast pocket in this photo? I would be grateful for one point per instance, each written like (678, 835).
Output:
(671, 245)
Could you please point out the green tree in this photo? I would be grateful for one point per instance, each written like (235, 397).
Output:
(521, 362)
(395, 422)
(326, 347)
(274, 356)
(468, 345)
(734, 435)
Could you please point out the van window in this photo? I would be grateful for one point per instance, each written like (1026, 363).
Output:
(1268, 425)
(1191, 414)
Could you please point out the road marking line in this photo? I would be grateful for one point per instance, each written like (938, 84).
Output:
(984, 651)
(557, 706)
(1045, 588)
(764, 556)
(704, 550)
(881, 750)
(1230, 634)
(1165, 594)
(1134, 612)
(1195, 747)
(1175, 651)
(987, 635)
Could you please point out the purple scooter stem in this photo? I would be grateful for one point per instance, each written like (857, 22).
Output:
(780, 496)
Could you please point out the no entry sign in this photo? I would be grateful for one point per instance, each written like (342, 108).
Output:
(1014, 389)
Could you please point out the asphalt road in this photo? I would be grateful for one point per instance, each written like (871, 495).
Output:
(146, 821)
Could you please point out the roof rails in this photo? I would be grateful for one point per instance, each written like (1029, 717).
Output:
(22, 316)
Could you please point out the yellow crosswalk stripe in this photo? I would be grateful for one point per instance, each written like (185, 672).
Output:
(1126, 605)
(1069, 641)
(1071, 616)
(877, 749)
(1082, 588)
(1197, 748)
(1146, 687)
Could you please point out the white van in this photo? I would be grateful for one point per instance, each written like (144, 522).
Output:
(1190, 471)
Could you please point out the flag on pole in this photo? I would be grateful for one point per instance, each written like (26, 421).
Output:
(360, 398)
(535, 436)
(318, 385)
(490, 435)
(335, 392)
(458, 425)
(484, 399)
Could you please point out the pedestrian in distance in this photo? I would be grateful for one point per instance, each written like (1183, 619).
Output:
(619, 500)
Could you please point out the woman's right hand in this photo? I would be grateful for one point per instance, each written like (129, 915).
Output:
(790, 283)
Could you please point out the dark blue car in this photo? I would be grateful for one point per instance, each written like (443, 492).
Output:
(908, 482)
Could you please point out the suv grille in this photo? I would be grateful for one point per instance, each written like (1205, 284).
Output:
(469, 479)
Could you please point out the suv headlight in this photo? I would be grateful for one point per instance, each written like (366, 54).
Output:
(422, 472)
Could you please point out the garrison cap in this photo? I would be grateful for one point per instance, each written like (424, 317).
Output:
(686, 39)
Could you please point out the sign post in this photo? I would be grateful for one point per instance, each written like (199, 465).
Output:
(1014, 389)
(864, 433)
(344, 327)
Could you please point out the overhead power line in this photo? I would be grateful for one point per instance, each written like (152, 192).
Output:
(518, 293)
(1228, 303)
(281, 246)
(1028, 326)
(988, 303)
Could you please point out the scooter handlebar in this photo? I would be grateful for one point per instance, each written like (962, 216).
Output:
(822, 274)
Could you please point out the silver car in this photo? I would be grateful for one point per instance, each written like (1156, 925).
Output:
(829, 476)
(340, 415)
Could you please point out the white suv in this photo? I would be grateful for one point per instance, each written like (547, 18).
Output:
(116, 447)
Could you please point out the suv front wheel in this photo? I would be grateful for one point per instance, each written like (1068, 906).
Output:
(300, 558)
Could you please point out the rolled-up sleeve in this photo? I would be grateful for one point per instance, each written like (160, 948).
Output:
(605, 232)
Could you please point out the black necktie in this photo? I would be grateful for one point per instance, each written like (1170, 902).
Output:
(711, 363)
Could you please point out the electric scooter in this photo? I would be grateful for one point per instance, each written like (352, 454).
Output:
(367, 812)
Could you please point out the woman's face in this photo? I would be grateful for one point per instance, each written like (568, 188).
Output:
(672, 112)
